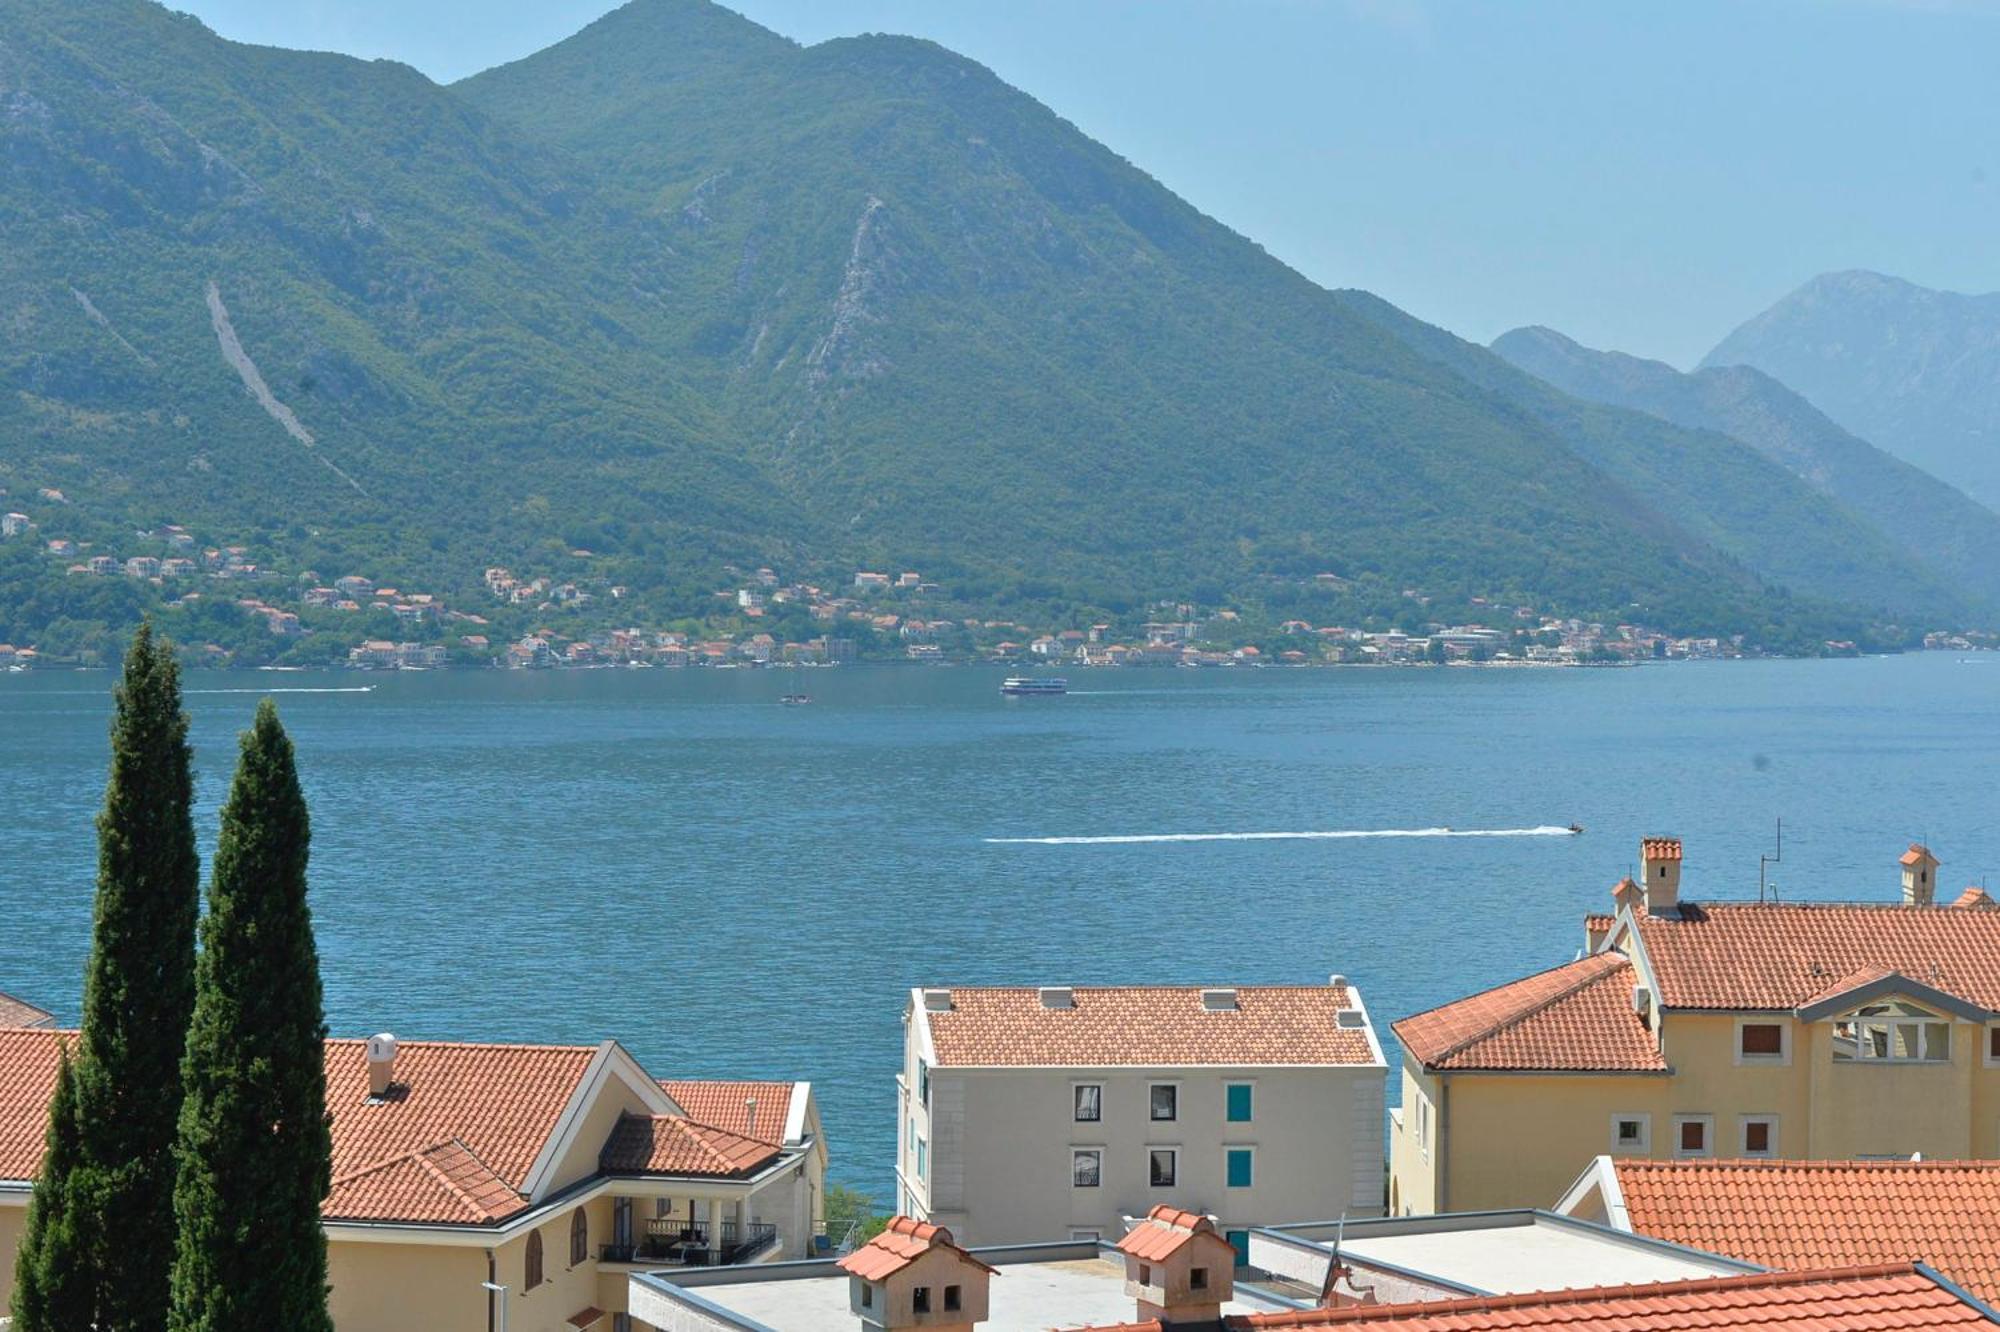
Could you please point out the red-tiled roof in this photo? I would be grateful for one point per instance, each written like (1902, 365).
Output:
(1576, 1017)
(1974, 896)
(1862, 1299)
(443, 1185)
(1738, 955)
(903, 1241)
(1806, 1214)
(1155, 1026)
(672, 1145)
(1164, 1230)
(1660, 848)
(16, 1013)
(27, 1079)
(1916, 855)
(724, 1105)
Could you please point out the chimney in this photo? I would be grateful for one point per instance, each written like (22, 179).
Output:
(937, 1001)
(1178, 1269)
(1219, 1000)
(750, 1105)
(1660, 875)
(915, 1276)
(381, 1065)
(1058, 996)
(1920, 869)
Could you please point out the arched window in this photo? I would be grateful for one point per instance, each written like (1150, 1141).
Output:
(531, 1274)
(579, 1237)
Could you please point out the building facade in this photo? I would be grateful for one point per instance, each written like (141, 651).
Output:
(1795, 1030)
(1066, 1112)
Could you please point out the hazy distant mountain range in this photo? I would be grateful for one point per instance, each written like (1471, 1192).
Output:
(680, 292)
(1957, 538)
(1914, 371)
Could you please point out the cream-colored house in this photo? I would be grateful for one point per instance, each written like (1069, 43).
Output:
(1711, 1029)
(1066, 1112)
(548, 1172)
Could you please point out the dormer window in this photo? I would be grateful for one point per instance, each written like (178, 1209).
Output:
(1891, 1033)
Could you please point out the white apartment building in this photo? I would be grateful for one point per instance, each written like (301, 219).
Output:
(1068, 1112)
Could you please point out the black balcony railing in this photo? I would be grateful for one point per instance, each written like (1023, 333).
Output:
(692, 1245)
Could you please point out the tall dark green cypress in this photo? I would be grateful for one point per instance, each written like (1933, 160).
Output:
(255, 1154)
(138, 992)
(53, 1281)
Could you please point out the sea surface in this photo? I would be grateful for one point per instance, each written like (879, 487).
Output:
(731, 887)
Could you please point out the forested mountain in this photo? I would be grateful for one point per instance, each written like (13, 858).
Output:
(682, 293)
(1956, 537)
(1914, 371)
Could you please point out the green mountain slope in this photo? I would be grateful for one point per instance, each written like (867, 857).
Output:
(1910, 369)
(1712, 485)
(1954, 536)
(684, 293)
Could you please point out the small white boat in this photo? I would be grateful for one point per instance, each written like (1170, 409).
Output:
(1033, 686)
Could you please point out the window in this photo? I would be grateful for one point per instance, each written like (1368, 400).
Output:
(1760, 1135)
(953, 1295)
(1087, 1236)
(664, 1208)
(621, 1323)
(531, 1264)
(1165, 1100)
(1089, 1102)
(1631, 1135)
(1197, 1278)
(1238, 1102)
(924, 1082)
(579, 1237)
(920, 1299)
(1692, 1134)
(867, 1295)
(1424, 1126)
(621, 1222)
(1086, 1168)
(1993, 1045)
(1761, 1043)
(1165, 1167)
(1240, 1167)
(1145, 1274)
(1891, 1033)
(923, 1159)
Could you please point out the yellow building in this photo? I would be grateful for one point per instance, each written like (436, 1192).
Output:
(468, 1176)
(1716, 1029)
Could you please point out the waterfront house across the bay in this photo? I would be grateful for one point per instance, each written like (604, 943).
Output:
(550, 1172)
(1064, 1112)
(1693, 1030)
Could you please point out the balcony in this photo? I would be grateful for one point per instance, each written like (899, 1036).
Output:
(673, 1243)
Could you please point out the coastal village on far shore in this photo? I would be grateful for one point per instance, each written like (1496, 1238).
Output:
(875, 615)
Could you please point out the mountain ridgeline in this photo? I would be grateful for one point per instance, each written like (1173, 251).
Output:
(683, 293)
(1912, 370)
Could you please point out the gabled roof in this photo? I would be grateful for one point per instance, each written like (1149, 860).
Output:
(1754, 955)
(675, 1145)
(1898, 1298)
(1164, 1231)
(1807, 1214)
(903, 1241)
(19, 1013)
(1574, 1018)
(1148, 1026)
(724, 1105)
(1871, 983)
(1916, 855)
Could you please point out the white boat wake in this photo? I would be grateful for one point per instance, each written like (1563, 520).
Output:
(345, 689)
(1343, 834)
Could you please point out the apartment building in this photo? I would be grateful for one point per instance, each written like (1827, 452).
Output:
(1690, 1030)
(515, 1186)
(1066, 1112)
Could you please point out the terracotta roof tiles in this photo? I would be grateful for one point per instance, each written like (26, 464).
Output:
(1660, 848)
(674, 1145)
(1163, 1231)
(724, 1105)
(1148, 1026)
(1807, 1214)
(1576, 1017)
(903, 1241)
(17, 1013)
(27, 1079)
(1752, 955)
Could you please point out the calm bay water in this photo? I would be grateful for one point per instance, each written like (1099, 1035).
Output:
(730, 887)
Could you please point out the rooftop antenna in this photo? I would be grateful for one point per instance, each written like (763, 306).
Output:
(1776, 857)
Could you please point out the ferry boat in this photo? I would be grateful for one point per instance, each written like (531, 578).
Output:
(1031, 686)
(795, 700)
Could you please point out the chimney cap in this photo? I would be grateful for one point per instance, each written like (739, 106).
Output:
(1057, 996)
(1917, 855)
(1660, 848)
(1220, 999)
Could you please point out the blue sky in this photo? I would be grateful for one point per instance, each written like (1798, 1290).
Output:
(1640, 175)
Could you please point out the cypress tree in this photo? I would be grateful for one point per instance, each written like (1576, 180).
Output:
(255, 1152)
(138, 992)
(52, 1275)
